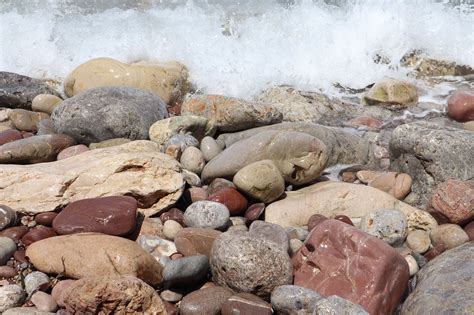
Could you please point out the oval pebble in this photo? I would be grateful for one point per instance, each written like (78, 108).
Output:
(207, 214)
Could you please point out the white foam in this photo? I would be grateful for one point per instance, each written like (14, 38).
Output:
(310, 46)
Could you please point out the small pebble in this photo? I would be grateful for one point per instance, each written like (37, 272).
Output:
(450, 235)
(173, 214)
(197, 194)
(295, 245)
(34, 281)
(44, 302)
(206, 214)
(344, 219)
(7, 272)
(412, 264)
(315, 220)
(171, 228)
(389, 225)
(11, 295)
(292, 299)
(419, 241)
(45, 218)
(254, 211)
(171, 296)
(192, 160)
(7, 248)
(209, 148)
(7, 217)
(15, 233)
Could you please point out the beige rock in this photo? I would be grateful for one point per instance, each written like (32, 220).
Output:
(108, 143)
(167, 79)
(337, 198)
(419, 241)
(192, 160)
(26, 120)
(72, 151)
(469, 125)
(391, 92)
(135, 168)
(93, 255)
(45, 103)
(449, 235)
(171, 228)
(396, 184)
(113, 295)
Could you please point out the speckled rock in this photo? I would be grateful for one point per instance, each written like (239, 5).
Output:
(461, 105)
(449, 235)
(7, 248)
(192, 160)
(207, 301)
(386, 224)
(294, 300)
(209, 148)
(34, 280)
(391, 92)
(45, 103)
(419, 241)
(11, 295)
(196, 241)
(246, 303)
(271, 232)
(26, 120)
(336, 305)
(156, 245)
(7, 217)
(72, 151)
(206, 214)
(186, 271)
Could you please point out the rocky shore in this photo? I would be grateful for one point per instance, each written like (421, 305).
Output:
(123, 190)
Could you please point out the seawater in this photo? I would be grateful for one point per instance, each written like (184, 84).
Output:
(238, 48)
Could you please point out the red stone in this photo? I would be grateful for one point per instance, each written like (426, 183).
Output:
(171, 309)
(219, 183)
(9, 136)
(314, 220)
(115, 215)
(338, 259)
(37, 234)
(195, 241)
(469, 229)
(461, 106)
(435, 251)
(15, 233)
(344, 219)
(231, 198)
(45, 218)
(364, 121)
(7, 272)
(246, 303)
(254, 211)
(173, 214)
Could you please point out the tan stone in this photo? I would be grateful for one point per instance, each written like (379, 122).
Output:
(45, 103)
(108, 143)
(93, 254)
(396, 184)
(391, 92)
(26, 120)
(166, 79)
(337, 198)
(135, 168)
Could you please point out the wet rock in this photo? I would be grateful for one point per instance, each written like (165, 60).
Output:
(45, 103)
(207, 301)
(231, 198)
(336, 305)
(186, 271)
(192, 160)
(386, 224)
(209, 148)
(195, 241)
(108, 112)
(37, 234)
(461, 106)
(246, 303)
(171, 228)
(11, 295)
(270, 232)
(391, 92)
(25, 120)
(7, 217)
(9, 135)
(44, 302)
(206, 214)
(15, 233)
(419, 241)
(449, 235)
(108, 143)
(45, 218)
(294, 300)
(72, 151)
(7, 248)
(429, 67)
(34, 281)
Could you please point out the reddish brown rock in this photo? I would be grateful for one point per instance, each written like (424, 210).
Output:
(173, 214)
(246, 303)
(231, 198)
(7, 272)
(10, 135)
(326, 264)
(314, 220)
(114, 215)
(344, 218)
(20, 256)
(72, 151)
(37, 234)
(435, 251)
(461, 106)
(364, 121)
(171, 309)
(206, 301)
(195, 241)
(452, 202)
(45, 218)
(254, 211)
(197, 194)
(58, 291)
(15, 233)
(469, 229)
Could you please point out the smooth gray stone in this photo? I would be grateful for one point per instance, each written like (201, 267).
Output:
(389, 225)
(207, 214)
(269, 231)
(186, 271)
(34, 280)
(294, 300)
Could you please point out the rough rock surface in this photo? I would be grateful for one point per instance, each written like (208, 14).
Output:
(294, 300)
(336, 305)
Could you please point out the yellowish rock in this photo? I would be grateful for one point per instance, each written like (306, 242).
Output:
(45, 103)
(391, 92)
(26, 120)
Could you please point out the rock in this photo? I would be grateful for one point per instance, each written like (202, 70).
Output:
(178, 143)
(348, 220)
(444, 285)
(171, 296)
(108, 112)
(45, 103)
(72, 151)
(108, 215)
(45, 127)
(192, 160)
(469, 125)
(431, 154)
(27, 310)
(391, 92)
(449, 235)
(231, 198)
(112, 294)
(18, 91)
(412, 265)
(270, 232)
(37, 234)
(299, 157)
(44, 302)
(165, 79)
(209, 148)
(34, 281)
(218, 184)
(396, 184)
(10, 135)
(294, 300)
(246, 303)
(156, 244)
(186, 271)
(323, 264)
(385, 224)
(336, 305)
(171, 228)
(461, 106)
(7, 217)
(315, 220)
(173, 214)
(108, 143)
(452, 202)
(230, 114)
(254, 211)
(260, 180)
(246, 264)
(135, 169)
(25, 120)
(116, 256)
(58, 290)
(364, 121)
(195, 241)
(428, 67)
(7, 272)
(7, 248)
(20, 257)
(206, 214)
(197, 194)
(163, 130)
(11, 295)
(15, 233)
(35, 149)
(207, 301)
(338, 198)
(419, 241)
(45, 218)
(469, 229)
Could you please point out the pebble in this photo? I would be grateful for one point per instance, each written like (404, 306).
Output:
(156, 244)
(344, 218)
(45, 218)
(45, 103)
(419, 241)
(59, 289)
(412, 264)
(337, 305)
(461, 106)
(295, 245)
(15, 233)
(171, 296)
(173, 214)
(195, 241)
(469, 229)
(11, 295)
(72, 151)
(218, 184)
(207, 214)
(34, 281)
(171, 228)
(450, 235)
(44, 302)
(197, 194)
(271, 232)
(37, 234)
(108, 143)
(7, 272)
(292, 299)
(26, 120)
(192, 179)
(231, 198)
(20, 256)
(254, 211)
(192, 160)
(7, 217)
(246, 303)
(238, 221)
(209, 148)
(435, 251)
(207, 301)
(186, 271)
(386, 224)
(7, 248)
(315, 220)
(297, 232)
(10, 135)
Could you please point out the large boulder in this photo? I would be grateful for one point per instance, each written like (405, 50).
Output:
(108, 112)
(431, 154)
(135, 168)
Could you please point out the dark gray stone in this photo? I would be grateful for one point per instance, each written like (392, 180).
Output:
(336, 305)
(294, 300)
(186, 271)
(7, 217)
(107, 113)
(7, 248)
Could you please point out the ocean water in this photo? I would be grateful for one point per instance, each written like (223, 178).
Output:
(238, 48)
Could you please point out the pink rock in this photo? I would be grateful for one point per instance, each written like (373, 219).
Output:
(36, 234)
(364, 121)
(72, 151)
(461, 106)
(10, 135)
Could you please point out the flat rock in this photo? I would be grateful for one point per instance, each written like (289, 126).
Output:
(26, 311)
(136, 169)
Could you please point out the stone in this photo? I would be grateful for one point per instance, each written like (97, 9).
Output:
(20, 256)
(295, 245)
(396, 184)
(315, 220)
(429, 67)
(260, 180)
(412, 265)
(45, 103)
(171, 296)
(219, 183)
(431, 154)
(135, 169)
(15, 233)
(178, 143)
(10, 135)
(207, 301)
(469, 125)
(58, 290)
(108, 143)
(322, 264)
(34, 281)
(11, 295)
(112, 294)
(34, 149)
(246, 264)
(300, 158)
(452, 202)
(209, 148)
(444, 285)
(18, 91)
(192, 160)
(28, 310)
(391, 92)
(157, 245)
(294, 300)
(171, 228)
(44, 302)
(336, 305)
(25, 120)
(7, 272)
(449, 235)
(115, 256)
(230, 114)
(254, 211)
(246, 303)
(338, 198)
(116, 215)
(72, 151)
(7, 248)
(347, 220)
(299, 232)
(270, 232)
(419, 241)
(173, 214)
(461, 106)
(168, 80)
(7, 217)
(469, 229)
(107, 113)
(231, 198)
(45, 218)
(186, 271)
(206, 214)
(195, 241)
(36, 234)
(364, 121)
(389, 225)
(197, 194)
(45, 127)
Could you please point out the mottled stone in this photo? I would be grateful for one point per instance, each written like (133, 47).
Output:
(294, 300)
(157, 245)
(469, 229)
(192, 160)
(9, 135)
(197, 194)
(173, 214)
(45, 218)
(45, 103)
(449, 235)
(11, 295)
(37, 234)
(246, 303)
(7, 217)
(206, 214)
(186, 271)
(419, 241)
(254, 211)
(72, 151)
(336, 305)
(231, 198)
(34, 281)
(386, 224)
(209, 148)
(7, 248)
(461, 106)
(15, 233)
(44, 302)
(391, 92)
(271, 232)
(26, 120)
